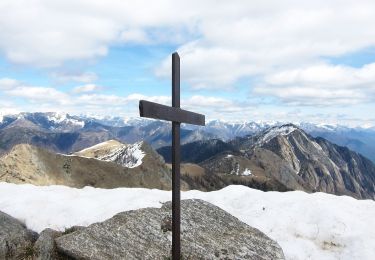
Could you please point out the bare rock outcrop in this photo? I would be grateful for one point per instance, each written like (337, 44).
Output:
(45, 247)
(207, 232)
(16, 241)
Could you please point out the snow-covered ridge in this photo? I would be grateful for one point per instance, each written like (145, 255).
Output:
(127, 155)
(276, 131)
(106, 144)
(331, 227)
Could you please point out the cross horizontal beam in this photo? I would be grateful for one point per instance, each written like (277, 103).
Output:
(174, 114)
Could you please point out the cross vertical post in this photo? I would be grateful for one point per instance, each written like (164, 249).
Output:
(176, 211)
(176, 115)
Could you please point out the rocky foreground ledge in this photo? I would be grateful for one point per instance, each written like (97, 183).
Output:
(207, 232)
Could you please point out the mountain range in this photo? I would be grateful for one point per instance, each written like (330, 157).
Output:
(60, 132)
(66, 134)
(287, 156)
(51, 148)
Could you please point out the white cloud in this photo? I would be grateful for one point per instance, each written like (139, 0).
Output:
(210, 68)
(335, 75)
(36, 94)
(7, 83)
(219, 108)
(281, 44)
(204, 101)
(114, 100)
(100, 99)
(7, 107)
(45, 33)
(15, 88)
(84, 77)
(86, 88)
(134, 36)
(46, 96)
(321, 84)
(79, 30)
(266, 36)
(50, 99)
(252, 36)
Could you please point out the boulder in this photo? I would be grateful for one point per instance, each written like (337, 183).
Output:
(16, 241)
(45, 248)
(207, 232)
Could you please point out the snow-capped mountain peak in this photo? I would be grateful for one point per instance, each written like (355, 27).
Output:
(58, 118)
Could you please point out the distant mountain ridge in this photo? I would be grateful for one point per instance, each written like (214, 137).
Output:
(64, 133)
(67, 134)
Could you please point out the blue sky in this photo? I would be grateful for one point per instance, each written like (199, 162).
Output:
(244, 60)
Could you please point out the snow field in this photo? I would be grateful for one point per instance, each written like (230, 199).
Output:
(307, 226)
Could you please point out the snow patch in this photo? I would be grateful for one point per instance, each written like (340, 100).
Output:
(246, 172)
(99, 146)
(57, 117)
(236, 171)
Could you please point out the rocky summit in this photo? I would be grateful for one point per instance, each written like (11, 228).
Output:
(207, 232)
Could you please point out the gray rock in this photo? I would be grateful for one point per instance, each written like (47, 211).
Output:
(72, 229)
(15, 239)
(207, 232)
(45, 248)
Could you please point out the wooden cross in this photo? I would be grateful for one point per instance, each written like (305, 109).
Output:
(177, 116)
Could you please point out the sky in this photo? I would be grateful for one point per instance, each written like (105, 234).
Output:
(260, 60)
